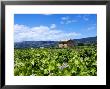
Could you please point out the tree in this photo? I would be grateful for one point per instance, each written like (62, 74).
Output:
(80, 44)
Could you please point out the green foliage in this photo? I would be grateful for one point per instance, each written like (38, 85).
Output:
(78, 61)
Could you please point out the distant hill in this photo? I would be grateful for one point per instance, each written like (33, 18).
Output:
(35, 44)
(38, 44)
(86, 40)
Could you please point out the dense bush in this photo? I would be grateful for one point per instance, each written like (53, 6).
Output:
(78, 61)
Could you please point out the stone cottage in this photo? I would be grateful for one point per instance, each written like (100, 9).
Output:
(66, 44)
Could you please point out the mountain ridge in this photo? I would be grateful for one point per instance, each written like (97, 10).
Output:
(38, 44)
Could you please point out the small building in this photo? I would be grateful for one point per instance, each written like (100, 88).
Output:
(66, 44)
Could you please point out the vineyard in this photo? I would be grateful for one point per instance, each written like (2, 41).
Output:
(78, 61)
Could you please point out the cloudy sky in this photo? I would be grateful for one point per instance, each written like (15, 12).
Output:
(54, 27)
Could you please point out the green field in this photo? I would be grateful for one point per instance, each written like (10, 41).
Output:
(78, 61)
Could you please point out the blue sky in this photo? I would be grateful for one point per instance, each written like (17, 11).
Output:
(54, 27)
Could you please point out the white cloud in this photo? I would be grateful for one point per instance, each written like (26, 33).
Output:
(73, 20)
(86, 17)
(41, 33)
(92, 27)
(53, 26)
(67, 20)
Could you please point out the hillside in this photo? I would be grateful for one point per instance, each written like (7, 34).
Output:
(38, 44)
(87, 40)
